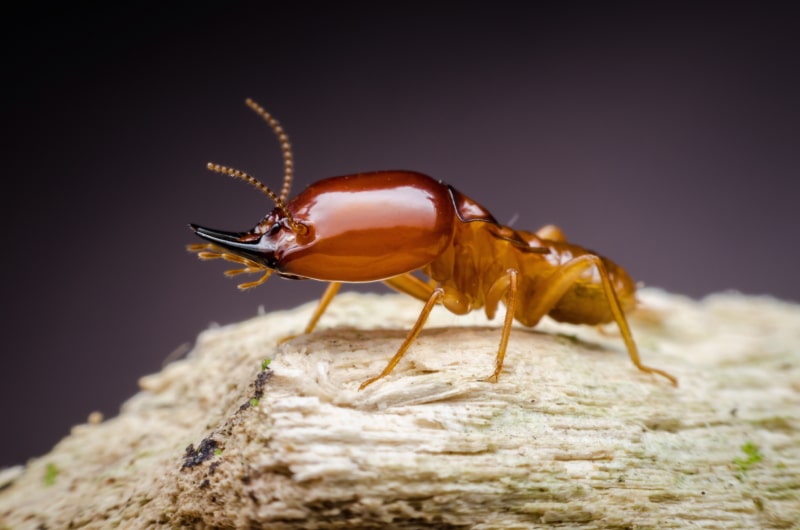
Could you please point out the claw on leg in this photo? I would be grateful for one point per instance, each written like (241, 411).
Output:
(505, 286)
(435, 297)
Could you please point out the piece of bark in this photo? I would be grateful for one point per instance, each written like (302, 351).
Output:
(571, 435)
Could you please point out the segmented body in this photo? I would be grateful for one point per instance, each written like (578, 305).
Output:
(477, 258)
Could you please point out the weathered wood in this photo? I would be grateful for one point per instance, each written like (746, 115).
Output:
(572, 434)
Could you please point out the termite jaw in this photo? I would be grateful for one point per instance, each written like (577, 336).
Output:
(259, 250)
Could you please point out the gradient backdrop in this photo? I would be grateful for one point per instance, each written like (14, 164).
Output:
(666, 138)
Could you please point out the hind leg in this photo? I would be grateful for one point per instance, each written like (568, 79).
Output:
(564, 278)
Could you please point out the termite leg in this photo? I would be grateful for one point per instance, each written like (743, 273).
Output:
(411, 285)
(564, 278)
(505, 285)
(435, 297)
(327, 296)
(622, 322)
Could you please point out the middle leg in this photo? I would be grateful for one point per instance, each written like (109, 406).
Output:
(503, 286)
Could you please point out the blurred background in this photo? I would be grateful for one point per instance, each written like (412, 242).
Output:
(664, 137)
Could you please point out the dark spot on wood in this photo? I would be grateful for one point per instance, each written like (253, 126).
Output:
(258, 388)
(194, 457)
(261, 382)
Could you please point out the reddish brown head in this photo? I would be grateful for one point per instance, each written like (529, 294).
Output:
(355, 228)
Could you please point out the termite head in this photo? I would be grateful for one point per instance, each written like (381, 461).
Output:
(258, 249)
(355, 228)
(252, 249)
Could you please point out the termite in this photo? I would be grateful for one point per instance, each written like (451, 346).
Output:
(388, 225)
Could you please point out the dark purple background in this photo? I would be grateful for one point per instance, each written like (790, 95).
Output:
(665, 138)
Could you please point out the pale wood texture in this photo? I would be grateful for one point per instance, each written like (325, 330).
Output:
(572, 435)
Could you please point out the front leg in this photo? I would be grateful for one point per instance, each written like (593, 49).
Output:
(435, 297)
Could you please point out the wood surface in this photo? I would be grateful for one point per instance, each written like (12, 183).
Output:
(571, 436)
